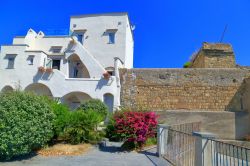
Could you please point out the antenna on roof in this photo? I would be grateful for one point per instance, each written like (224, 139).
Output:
(223, 34)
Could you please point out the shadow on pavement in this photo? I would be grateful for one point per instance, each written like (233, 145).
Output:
(21, 158)
(154, 159)
(111, 147)
(151, 155)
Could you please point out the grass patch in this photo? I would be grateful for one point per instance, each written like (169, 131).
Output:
(151, 142)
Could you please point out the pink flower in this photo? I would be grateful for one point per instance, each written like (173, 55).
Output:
(135, 126)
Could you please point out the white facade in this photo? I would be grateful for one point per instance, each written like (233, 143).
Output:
(97, 44)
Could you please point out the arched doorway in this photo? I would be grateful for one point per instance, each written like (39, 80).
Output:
(7, 89)
(76, 68)
(75, 99)
(39, 89)
(109, 101)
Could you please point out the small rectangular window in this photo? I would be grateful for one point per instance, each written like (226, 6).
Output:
(56, 49)
(56, 64)
(111, 37)
(80, 37)
(30, 60)
(11, 61)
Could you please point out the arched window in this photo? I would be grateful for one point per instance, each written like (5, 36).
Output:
(76, 68)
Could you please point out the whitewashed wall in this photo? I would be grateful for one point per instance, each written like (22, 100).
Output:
(96, 41)
(95, 53)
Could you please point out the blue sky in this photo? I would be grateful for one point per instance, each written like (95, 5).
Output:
(167, 31)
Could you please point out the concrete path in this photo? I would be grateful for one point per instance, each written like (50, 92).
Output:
(110, 155)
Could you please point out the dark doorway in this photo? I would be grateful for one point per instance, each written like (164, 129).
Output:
(56, 64)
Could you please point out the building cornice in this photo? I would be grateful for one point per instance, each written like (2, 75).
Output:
(21, 45)
(99, 14)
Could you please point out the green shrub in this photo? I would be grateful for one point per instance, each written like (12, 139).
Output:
(187, 65)
(151, 141)
(62, 113)
(82, 127)
(96, 105)
(25, 123)
(111, 130)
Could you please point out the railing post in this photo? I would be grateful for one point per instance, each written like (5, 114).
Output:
(203, 149)
(162, 137)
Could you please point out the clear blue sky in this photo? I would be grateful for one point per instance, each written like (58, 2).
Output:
(167, 31)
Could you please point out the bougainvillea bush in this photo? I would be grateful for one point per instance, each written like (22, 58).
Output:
(134, 127)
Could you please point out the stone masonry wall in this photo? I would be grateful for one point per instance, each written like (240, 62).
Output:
(216, 55)
(223, 61)
(183, 89)
(199, 62)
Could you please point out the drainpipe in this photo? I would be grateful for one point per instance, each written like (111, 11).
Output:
(118, 64)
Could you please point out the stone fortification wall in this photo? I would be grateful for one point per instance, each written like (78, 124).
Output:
(216, 55)
(183, 89)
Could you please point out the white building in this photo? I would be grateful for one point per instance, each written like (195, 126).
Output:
(71, 68)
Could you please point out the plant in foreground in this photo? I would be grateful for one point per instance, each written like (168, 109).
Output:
(134, 127)
(26, 123)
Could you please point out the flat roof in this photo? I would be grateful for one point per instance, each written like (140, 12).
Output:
(99, 14)
(21, 45)
(49, 36)
(19, 37)
(89, 15)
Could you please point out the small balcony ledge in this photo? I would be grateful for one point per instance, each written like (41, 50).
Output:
(83, 79)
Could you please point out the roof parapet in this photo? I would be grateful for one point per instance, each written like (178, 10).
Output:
(217, 46)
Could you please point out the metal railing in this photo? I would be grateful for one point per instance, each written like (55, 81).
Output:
(180, 148)
(226, 154)
(180, 145)
(185, 145)
(187, 127)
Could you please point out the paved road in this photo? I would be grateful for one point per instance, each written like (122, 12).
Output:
(106, 156)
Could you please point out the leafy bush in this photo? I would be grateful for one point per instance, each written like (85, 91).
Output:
(76, 126)
(62, 113)
(111, 131)
(187, 65)
(82, 127)
(133, 127)
(25, 123)
(96, 105)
